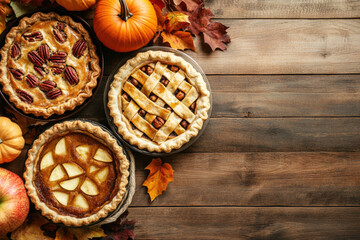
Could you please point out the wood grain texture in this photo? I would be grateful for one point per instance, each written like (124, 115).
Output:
(246, 223)
(279, 135)
(291, 47)
(256, 179)
(284, 8)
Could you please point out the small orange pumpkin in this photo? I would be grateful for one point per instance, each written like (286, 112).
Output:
(76, 5)
(11, 140)
(125, 25)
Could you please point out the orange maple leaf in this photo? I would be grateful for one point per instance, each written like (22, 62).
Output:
(176, 21)
(159, 177)
(179, 40)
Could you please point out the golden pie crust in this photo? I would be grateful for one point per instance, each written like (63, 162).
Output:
(158, 101)
(47, 182)
(35, 96)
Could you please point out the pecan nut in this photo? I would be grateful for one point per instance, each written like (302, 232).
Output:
(44, 52)
(79, 48)
(60, 36)
(53, 93)
(32, 80)
(158, 122)
(24, 96)
(34, 36)
(17, 73)
(47, 85)
(60, 26)
(35, 58)
(41, 70)
(58, 57)
(15, 50)
(71, 75)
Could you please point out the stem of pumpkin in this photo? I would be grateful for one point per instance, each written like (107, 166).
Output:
(125, 14)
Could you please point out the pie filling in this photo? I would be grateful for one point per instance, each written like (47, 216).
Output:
(76, 175)
(48, 64)
(158, 101)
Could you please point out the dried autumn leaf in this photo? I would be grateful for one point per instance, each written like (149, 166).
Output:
(179, 40)
(34, 2)
(121, 229)
(176, 21)
(159, 177)
(64, 234)
(200, 22)
(158, 3)
(31, 229)
(190, 5)
(86, 233)
(2, 23)
(160, 22)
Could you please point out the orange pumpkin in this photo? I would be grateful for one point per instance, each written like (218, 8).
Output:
(11, 140)
(125, 25)
(76, 5)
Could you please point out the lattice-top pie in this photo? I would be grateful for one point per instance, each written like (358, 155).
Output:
(76, 173)
(49, 65)
(158, 101)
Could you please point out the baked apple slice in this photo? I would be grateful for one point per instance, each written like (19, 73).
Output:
(89, 187)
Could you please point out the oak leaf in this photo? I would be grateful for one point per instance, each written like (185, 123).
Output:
(86, 233)
(189, 5)
(159, 177)
(64, 234)
(31, 229)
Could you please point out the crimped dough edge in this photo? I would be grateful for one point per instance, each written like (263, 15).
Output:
(195, 78)
(95, 132)
(70, 104)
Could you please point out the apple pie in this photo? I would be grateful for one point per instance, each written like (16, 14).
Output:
(158, 101)
(76, 173)
(48, 65)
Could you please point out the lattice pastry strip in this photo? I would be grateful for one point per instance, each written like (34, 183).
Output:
(150, 84)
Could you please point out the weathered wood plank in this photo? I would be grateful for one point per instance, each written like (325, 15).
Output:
(276, 9)
(256, 179)
(246, 223)
(291, 47)
(285, 83)
(237, 105)
(279, 135)
(284, 8)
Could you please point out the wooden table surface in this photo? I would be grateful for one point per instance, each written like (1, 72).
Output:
(280, 158)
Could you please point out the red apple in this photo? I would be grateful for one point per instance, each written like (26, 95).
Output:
(14, 203)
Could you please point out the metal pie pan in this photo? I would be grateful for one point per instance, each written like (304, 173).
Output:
(99, 52)
(130, 188)
(110, 119)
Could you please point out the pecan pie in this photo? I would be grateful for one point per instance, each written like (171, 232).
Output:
(76, 173)
(48, 65)
(158, 101)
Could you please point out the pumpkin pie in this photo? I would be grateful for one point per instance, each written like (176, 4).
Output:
(48, 65)
(158, 101)
(76, 173)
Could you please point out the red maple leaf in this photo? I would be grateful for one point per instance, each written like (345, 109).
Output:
(200, 22)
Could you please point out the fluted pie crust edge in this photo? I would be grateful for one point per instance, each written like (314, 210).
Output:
(194, 77)
(70, 104)
(95, 132)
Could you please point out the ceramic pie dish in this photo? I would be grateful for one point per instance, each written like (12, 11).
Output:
(76, 173)
(49, 65)
(158, 101)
